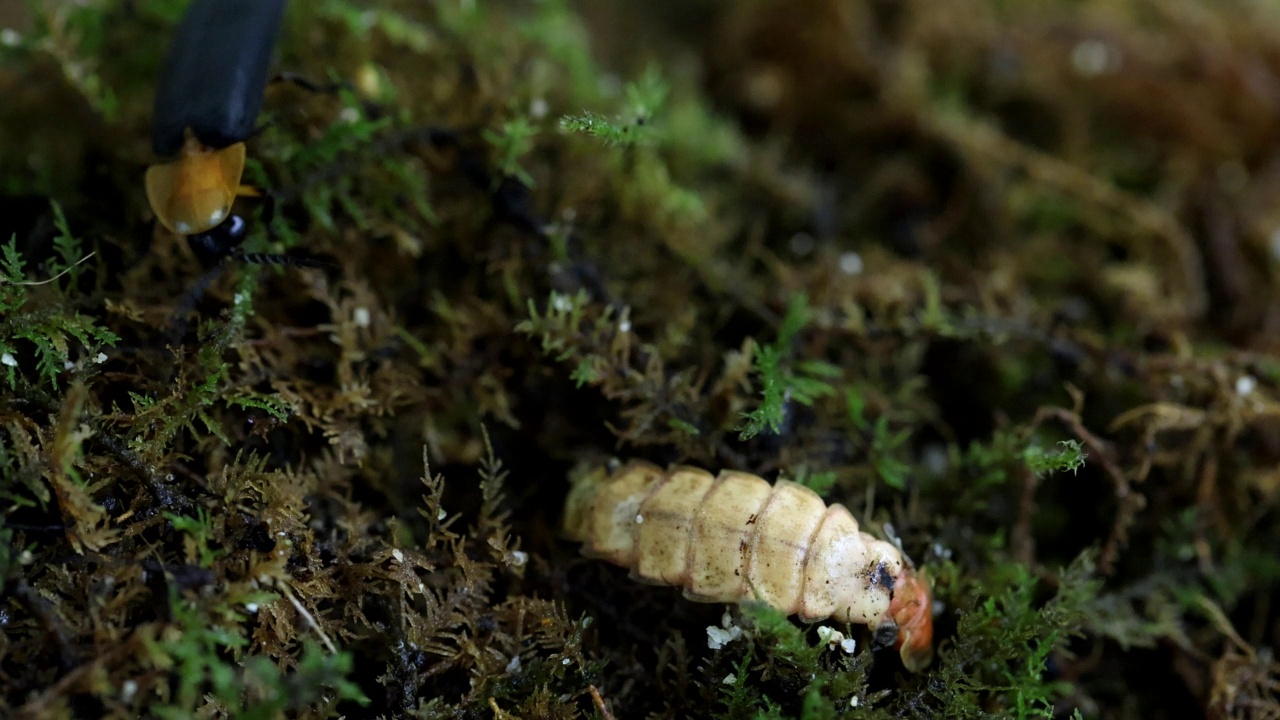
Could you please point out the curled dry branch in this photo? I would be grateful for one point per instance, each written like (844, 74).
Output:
(1129, 501)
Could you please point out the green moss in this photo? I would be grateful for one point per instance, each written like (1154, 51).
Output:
(1004, 641)
(55, 333)
(253, 687)
(645, 103)
(804, 383)
(1069, 459)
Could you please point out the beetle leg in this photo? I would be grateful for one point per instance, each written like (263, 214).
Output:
(303, 82)
(178, 327)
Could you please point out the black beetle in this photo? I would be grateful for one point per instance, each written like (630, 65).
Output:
(206, 107)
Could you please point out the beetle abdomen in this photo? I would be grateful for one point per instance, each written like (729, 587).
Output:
(215, 73)
(735, 537)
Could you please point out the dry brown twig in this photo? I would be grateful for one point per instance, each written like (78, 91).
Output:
(1130, 502)
(599, 702)
(1246, 682)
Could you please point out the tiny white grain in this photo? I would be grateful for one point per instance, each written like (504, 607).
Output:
(1246, 384)
(851, 263)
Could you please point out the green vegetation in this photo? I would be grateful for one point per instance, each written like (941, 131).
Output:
(645, 100)
(57, 331)
(778, 386)
(999, 277)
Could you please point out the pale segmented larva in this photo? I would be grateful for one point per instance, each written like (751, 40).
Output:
(735, 537)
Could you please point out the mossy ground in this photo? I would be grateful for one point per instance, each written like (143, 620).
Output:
(1001, 277)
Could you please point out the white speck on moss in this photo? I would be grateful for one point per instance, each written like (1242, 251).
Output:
(829, 635)
(851, 263)
(1245, 385)
(719, 637)
(834, 638)
(1094, 57)
(362, 317)
(935, 460)
(9, 360)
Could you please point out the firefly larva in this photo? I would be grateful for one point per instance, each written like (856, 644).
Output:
(736, 537)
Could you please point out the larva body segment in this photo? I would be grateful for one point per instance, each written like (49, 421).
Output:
(735, 537)
(718, 538)
(663, 527)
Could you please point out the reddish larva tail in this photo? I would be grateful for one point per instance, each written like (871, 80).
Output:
(912, 611)
(734, 537)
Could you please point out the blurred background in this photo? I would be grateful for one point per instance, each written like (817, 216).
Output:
(999, 276)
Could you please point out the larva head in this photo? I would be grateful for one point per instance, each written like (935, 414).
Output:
(193, 193)
(912, 610)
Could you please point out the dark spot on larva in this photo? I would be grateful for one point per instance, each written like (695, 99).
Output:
(882, 578)
(752, 520)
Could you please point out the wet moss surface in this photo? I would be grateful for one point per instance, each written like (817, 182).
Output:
(1000, 277)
